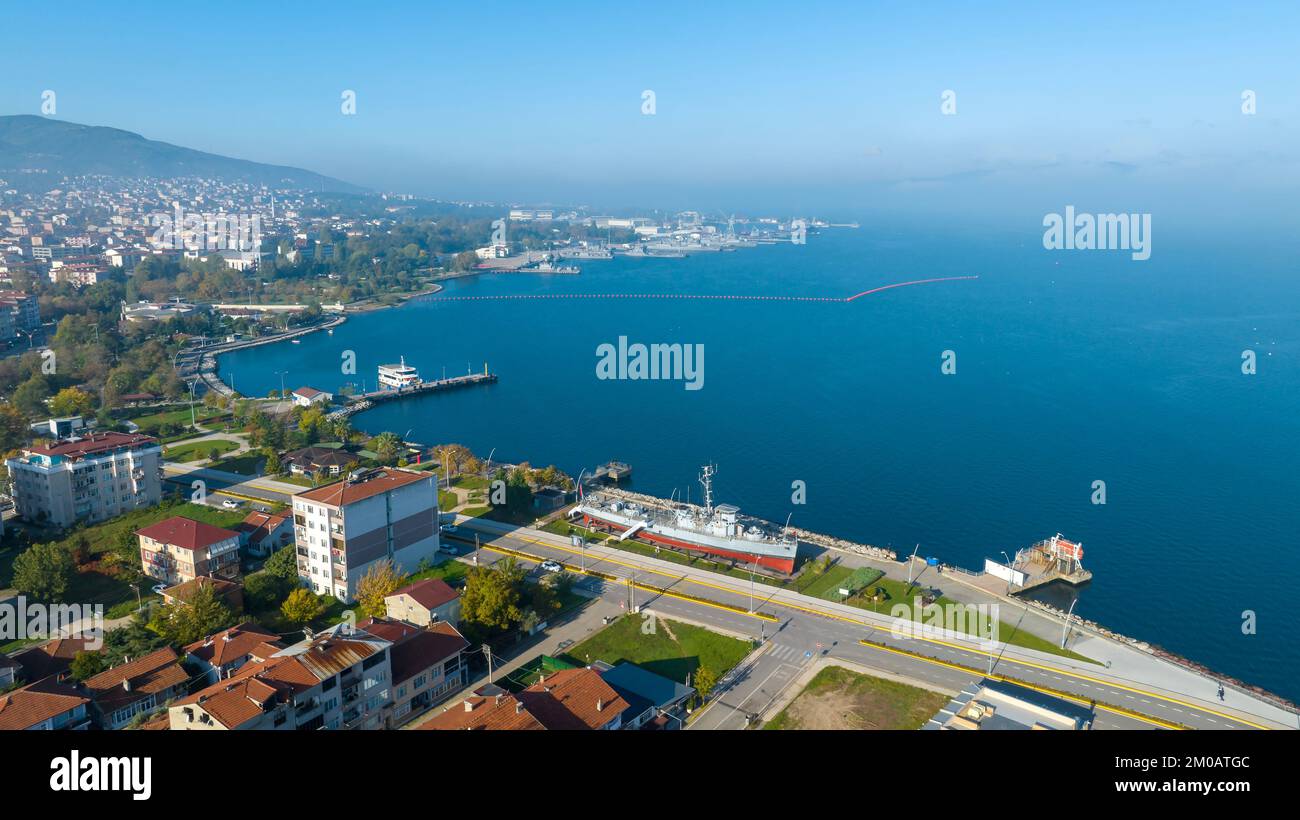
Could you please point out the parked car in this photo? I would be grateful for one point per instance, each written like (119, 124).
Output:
(447, 528)
(551, 566)
(230, 503)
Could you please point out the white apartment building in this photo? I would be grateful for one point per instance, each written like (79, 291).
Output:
(342, 529)
(89, 479)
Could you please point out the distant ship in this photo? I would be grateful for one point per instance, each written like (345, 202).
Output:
(719, 530)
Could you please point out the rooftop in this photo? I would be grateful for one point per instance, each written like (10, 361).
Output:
(30, 705)
(372, 483)
(186, 533)
(429, 593)
(82, 446)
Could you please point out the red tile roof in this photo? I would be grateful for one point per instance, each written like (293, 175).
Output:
(186, 533)
(229, 645)
(30, 705)
(307, 392)
(492, 713)
(430, 593)
(415, 649)
(50, 658)
(344, 492)
(573, 699)
(95, 443)
(153, 674)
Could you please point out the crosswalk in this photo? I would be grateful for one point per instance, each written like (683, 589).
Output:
(785, 652)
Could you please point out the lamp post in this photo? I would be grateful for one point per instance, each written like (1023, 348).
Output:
(1010, 565)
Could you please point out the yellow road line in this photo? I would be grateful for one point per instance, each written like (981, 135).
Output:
(1099, 681)
(762, 616)
(1154, 721)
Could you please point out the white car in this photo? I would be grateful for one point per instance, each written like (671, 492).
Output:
(158, 589)
(551, 566)
(230, 503)
(447, 528)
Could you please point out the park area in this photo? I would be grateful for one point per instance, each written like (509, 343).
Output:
(669, 648)
(837, 698)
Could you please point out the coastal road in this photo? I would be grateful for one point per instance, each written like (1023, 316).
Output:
(804, 623)
(231, 485)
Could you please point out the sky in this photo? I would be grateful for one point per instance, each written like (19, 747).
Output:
(834, 107)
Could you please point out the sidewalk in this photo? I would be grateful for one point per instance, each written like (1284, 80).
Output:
(1129, 667)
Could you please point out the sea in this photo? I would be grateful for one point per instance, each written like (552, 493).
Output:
(1068, 368)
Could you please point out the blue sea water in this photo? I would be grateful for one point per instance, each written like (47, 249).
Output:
(1072, 367)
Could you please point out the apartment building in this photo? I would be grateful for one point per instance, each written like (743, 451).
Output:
(221, 655)
(88, 479)
(24, 308)
(339, 679)
(343, 529)
(179, 549)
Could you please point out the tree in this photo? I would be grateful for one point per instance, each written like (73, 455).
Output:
(86, 665)
(30, 396)
(489, 599)
(133, 640)
(704, 681)
(187, 621)
(71, 402)
(13, 427)
(302, 606)
(380, 581)
(265, 590)
(283, 564)
(43, 572)
(387, 446)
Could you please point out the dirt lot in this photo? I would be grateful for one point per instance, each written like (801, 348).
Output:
(839, 699)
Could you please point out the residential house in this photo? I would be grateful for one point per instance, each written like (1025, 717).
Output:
(48, 660)
(320, 462)
(264, 533)
(45, 704)
(425, 602)
(567, 700)
(180, 549)
(9, 671)
(230, 592)
(219, 656)
(339, 679)
(135, 687)
(654, 702)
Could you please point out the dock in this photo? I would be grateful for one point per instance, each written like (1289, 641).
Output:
(365, 401)
(614, 471)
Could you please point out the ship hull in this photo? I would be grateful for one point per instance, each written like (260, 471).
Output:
(780, 563)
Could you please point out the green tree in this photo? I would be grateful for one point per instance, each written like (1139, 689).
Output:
(704, 681)
(86, 665)
(283, 564)
(387, 446)
(30, 396)
(187, 621)
(13, 427)
(43, 572)
(72, 402)
(489, 599)
(302, 606)
(378, 582)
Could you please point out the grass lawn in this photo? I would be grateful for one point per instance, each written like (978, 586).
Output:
(470, 482)
(447, 500)
(839, 699)
(179, 416)
(897, 593)
(89, 584)
(453, 572)
(674, 650)
(248, 464)
(199, 450)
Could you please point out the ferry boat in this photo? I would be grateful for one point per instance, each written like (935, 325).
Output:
(398, 376)
(716, 530)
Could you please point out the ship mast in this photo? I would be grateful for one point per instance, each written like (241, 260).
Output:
(706, 479)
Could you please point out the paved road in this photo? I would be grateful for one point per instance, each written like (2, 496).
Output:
(803, 623)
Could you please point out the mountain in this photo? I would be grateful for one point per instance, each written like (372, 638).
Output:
(29, 143)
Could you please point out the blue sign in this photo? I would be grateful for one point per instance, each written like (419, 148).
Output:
(932, 562)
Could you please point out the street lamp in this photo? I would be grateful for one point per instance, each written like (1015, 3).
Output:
(1010, 565)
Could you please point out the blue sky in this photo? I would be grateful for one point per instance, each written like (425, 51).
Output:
(783, 105)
